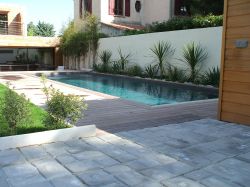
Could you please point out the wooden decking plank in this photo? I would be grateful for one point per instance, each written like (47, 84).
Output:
(120, 115)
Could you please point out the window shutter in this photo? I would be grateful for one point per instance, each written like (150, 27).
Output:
(127, 8)
(111, 7)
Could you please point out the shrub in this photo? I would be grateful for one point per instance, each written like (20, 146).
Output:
(124, 59)
(151, 71)
(97, 67)
(135, 70)
(62, 109)
(15, 108)
(105, 57)
(193, 57)
(133, 32)
(182, 23)
(175, 74)
(78, 39)
(211, 77)
(116, 67)
(162, 52)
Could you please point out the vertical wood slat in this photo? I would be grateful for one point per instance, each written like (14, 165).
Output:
(222, 58)
(234, 103)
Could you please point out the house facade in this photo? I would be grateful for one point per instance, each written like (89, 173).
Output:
(128, 14)
(19, 52)
(12, 20)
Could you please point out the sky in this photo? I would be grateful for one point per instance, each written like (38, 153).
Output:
(56, 12)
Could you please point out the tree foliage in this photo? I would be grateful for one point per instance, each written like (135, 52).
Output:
(204, 7)
(81, 37)
(41, 29)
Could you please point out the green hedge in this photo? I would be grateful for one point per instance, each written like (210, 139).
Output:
(181, 23)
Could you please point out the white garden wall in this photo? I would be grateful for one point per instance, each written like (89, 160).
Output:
(139, 45)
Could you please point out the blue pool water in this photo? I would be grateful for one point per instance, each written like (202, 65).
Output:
(142, 91)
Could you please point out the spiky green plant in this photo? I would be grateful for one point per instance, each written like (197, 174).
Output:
(123, 60)
(212, 77)
(162, 52)
(116, 67)
(135, 70)
(175, 74)
(151, 71)
(105, 57)
(194, 57)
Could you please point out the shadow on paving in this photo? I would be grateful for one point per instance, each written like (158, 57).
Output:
(203, 153)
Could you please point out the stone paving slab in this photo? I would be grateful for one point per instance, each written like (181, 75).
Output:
(195, 154)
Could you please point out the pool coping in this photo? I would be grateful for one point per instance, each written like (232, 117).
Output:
(187, 85)
(105, 96)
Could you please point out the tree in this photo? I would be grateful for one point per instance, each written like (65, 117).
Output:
(204, 7)
(41, 29)
(31, 29)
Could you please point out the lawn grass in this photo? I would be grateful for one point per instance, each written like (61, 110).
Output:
(36, 123)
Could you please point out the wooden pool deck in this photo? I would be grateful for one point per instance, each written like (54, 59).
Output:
(112, 114)
(116, 115)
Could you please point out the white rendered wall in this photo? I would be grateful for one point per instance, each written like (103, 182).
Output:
(139, 45)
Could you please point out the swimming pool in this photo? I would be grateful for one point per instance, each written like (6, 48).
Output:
(138, 90)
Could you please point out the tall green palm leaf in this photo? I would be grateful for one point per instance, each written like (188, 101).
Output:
(124, 59)
(105, 57)
(162, 52)
(194, 57)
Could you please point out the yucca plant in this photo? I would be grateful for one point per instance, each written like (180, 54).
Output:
(162, 52)
(135, 70)
(175, 74)
(116, 67)
(212, 77)
(123, 60)
(105, 57)
(194, 57)
(151, 71)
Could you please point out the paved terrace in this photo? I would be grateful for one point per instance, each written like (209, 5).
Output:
(203, 153)
(111, 113)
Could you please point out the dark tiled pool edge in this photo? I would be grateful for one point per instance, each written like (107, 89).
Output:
(209, 89)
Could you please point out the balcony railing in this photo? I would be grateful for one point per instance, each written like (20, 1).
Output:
(12, 28)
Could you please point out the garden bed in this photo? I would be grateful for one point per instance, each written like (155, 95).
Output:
(36, 123)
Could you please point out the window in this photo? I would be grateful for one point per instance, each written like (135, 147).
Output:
(88, 6)
(3, 24)
(116, 7)
(181, 8)
(85, 5)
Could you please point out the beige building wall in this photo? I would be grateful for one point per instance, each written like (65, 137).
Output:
(16, 21)
(151, 11)
(156, 10)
